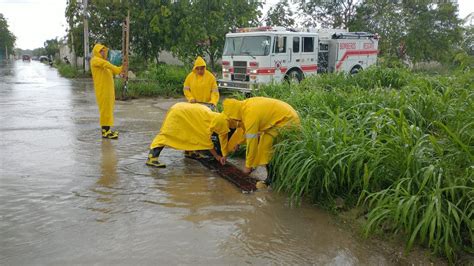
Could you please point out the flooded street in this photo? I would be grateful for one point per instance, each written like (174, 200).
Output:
(69, 197)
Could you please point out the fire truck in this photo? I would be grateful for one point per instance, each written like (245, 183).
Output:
(261, 55)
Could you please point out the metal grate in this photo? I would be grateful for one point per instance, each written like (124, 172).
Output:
(232, 174)
(240, 70)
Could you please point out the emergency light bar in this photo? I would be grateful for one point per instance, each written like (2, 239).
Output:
(353, 35)
(257, 29)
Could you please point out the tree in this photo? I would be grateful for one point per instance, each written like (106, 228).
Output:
(151, 27)
(186, 27)
(204, 24)
(468, 40)
(39, 51)
(384, 17)
(328, 13)
(280, 15)
(105, 22)
(433, 31)
(51, 47)
(75, 30)
(105, 25)
(7, 39)
(429, 31)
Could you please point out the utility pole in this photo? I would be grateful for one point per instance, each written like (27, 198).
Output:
(73, 52)
(125, 52)
(86, 37)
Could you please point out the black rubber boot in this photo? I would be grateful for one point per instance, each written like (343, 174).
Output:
(109, 134)
(153, 158)
(155, 152)
(270, 175)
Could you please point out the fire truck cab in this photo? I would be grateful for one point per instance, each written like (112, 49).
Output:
(261, 55)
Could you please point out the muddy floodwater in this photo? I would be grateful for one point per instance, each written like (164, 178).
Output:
(69, 197)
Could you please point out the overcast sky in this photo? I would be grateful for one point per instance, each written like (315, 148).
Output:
(34, 21)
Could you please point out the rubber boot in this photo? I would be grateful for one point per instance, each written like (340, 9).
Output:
(153, 158)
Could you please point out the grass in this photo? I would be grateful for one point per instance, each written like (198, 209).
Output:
(159, 80)
(69, 71)
(147, 88)
(398, 144)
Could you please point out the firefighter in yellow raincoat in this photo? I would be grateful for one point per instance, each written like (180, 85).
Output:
(103, 75)
(259, 120)
(200, 85)
(189, 127)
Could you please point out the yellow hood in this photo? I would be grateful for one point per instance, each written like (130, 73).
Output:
(199, 62)
(220, 123)
(97, 48)
(233, 108)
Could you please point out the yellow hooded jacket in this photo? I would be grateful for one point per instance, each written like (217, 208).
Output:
(103, 75)
(201, 88)
(190, 126)
(261, 119)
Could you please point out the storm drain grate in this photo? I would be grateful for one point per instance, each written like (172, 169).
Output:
(231, 174)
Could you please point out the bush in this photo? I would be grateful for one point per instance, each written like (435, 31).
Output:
(146, 88)
(399, 144)
(69, 71)
(137, 64)
(159, 80)
(166, 75)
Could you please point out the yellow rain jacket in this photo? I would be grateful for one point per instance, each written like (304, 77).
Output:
(190, 126)
(203, 88)
(261, 119)
(103, 75)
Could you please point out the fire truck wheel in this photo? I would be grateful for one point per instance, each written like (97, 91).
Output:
(355, 70)
(294, 76)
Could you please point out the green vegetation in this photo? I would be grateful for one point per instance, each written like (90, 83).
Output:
(398, 144)
(190, 28)
(51, 47)
(186, 28)
(160, 80)
(69, 71)
(7, 38)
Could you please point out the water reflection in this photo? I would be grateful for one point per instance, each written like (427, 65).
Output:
(108, 164)
(205, 196)
(104, 188)
(262, 226)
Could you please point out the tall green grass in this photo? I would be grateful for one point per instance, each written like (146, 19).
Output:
(147, 88)
(159, 80)
(169, 75)
(69, 71)
(399, 144)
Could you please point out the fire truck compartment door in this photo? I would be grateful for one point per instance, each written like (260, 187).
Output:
(295, 49)
(280, 56)
(333, 55)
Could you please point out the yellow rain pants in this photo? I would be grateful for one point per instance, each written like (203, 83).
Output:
(190, 126)
(202, 89)
(103, 75)
(261, 119)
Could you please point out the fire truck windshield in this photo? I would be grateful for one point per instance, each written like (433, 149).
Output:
(248, 45)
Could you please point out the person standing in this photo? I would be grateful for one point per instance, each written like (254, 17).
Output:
(200, 85)
(103, 75)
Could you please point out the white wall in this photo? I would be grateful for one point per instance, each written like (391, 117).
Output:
(65, 51)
